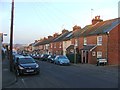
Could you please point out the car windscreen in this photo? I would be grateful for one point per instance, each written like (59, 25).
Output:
(63, 57)
(26, 60)
(52, 56)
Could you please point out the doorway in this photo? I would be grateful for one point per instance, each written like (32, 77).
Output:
(84, 56)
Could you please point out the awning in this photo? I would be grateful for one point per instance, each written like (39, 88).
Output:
(89, 47)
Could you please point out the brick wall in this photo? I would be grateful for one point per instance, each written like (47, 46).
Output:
(113, 46)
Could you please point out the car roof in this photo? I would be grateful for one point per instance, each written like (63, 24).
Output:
(21, 56)
(60, 55)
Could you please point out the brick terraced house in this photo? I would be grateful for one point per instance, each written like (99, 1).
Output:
(98, 40)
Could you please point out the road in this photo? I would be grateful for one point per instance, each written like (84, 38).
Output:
(73, 76)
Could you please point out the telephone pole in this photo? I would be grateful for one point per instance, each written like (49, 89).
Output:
(11, 36)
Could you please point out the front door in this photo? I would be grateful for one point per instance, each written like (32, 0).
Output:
(84, 56)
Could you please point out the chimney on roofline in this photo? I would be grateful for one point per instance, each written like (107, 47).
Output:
(45, 38)
(55, 35)
(49, 37)
(96, 19)
(76, 28)
(36, 41)
(64, 31)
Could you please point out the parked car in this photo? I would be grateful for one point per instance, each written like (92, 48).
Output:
(51, 58)
(62, 60)
(14, 60)
(26, 65)
(44, 57)
(36, 56)
(101, 61)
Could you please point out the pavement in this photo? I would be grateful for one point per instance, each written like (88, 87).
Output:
(8, 78)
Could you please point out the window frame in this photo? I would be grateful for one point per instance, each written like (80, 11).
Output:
(99, 40)
(99, 54)
(85, 41)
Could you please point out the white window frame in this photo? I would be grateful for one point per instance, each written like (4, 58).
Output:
(51, 45)
(76, 42)
(54, 45)
(99, 54)
(99, 40)
(93, 53)
(47, 46)
(85, 41)
(60, 45)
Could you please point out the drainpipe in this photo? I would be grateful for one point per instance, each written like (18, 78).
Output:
(107, 44)
(74, 54)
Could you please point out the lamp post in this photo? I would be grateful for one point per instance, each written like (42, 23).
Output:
(11, 36)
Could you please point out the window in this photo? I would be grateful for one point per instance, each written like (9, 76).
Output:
(93, 53)
(85, 41)
(54, 45)
(51, 45)
(76, 42)
(60, 45)
(99, 40)
(47, 46)
(99, 54)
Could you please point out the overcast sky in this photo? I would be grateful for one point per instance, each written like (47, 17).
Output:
(35, 19)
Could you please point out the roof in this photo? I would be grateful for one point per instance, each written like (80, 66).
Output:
(99, 28)
(61, 37)
(46, 41)
(80, 32)
(89, 47)
(68, 36)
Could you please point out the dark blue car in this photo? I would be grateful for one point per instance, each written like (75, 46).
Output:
(26, 65)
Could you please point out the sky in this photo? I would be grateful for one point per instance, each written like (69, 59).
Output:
(35, 19)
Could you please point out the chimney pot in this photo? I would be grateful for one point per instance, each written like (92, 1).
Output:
(97, 19)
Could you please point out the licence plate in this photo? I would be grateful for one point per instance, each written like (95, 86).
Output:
(30, 71)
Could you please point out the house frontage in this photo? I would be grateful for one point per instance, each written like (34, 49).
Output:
(100, 40)
(97, 40)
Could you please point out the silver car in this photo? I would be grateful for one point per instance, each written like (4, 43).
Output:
(62, 60)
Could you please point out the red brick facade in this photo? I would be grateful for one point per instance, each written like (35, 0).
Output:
(113, 50)
(107, 49)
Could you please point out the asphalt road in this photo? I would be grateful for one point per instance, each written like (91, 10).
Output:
(73, 76)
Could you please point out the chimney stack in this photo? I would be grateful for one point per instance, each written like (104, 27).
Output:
(64, 31)
(49, 37)
(55, 35)
(45, 38)
(76, 28)
(96, 19)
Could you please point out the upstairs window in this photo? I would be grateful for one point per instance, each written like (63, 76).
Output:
(85, 41)
(99, 40)
(76, 42)
(51, 45)
(60, 45)
(54, 45)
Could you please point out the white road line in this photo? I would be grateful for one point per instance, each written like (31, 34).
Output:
(24, 83)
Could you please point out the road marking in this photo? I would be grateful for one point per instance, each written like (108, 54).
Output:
(23, 82)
